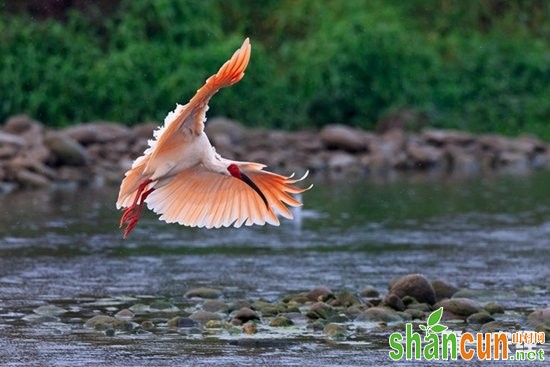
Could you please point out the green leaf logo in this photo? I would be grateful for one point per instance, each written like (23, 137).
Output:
(433, 325)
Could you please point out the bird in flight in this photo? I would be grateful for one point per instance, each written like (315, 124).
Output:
(181, 177)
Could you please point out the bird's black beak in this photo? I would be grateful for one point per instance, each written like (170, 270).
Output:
(251, 183)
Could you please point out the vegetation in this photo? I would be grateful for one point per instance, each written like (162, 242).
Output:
(475, 65)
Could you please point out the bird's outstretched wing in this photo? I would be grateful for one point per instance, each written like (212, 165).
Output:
(192, 115)
(187, 118)
(198, 197)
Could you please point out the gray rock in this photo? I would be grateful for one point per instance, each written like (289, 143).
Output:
(478, 318)
(245, 314)
(345, 299)
(203, 292)
(11, 139)
(97, 132)
(20, 124)
(369, 292)
(320, 310)
(202, 317)
(214, 305)
(320, 294)
(443, 289)
(163, 306)
(540, 316)
(493, 308)
(66, 150)
(378, 314)
(460, 306)
(415, 314)
(335, 330)
(101, 322)
(30, 179)
(281, 321)
(414, 285)
(224, 126)
(49, 310)
(394, 301)
(343, 137)
(124, 314)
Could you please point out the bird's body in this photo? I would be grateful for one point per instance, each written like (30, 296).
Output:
(181, 177)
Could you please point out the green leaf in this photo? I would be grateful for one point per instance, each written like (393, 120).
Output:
(422, 327)
(435, 316)
(439, 328)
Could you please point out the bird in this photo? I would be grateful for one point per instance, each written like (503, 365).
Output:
(182, 178)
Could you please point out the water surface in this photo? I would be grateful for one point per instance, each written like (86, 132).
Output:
(63, 248)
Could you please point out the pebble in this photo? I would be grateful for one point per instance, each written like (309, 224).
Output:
(494, 308)
(246, 314)
(49, 310)
(345, 299)
(202, 317)
(163, 306)
(249, 328)
(335, 330)
(320, 310)
(369, 292)
(214, 305)
(414, 285)
(124, 314)
(321, 294)
(443, 289)
(203, 292)
(379, 314)
(482, 317)
(281, 321)
(540, 316)
(460, 306)
(394, 301)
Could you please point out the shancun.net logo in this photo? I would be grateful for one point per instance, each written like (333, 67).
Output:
(438, 343)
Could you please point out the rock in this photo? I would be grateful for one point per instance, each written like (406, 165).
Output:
(415, 314)
(281, 321)
(394, 301)
(214, 324)
(540, 316)
(11, 139)
(498, 326)
(224, 126)
(424, 307)
(238, 304)
(481, 317)
(202, 317)
(97, 132)
(163, 306)
(378, 314)
(30, 179)
(493, 308)
(20, 124)
(49, 310)
(320, 294)
(249, 328)
(124, 314)
(334, 330)
(186, 322)
(414, 285)
(66, 150)
(39, 319)
(144, 131)
(345, 299)
(148, 325)
(214, 305)
(423, 156)
(140, 308)
(369, 292)
(447, 137)
(320, 310)
(443, 289)
(203, 292)
(101, 322)
(460, 306)
(343, 137)
(343, 162)
(245, 314)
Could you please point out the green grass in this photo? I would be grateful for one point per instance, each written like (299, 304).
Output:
(481, 66)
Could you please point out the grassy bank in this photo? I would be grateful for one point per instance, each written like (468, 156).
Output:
(480, 66)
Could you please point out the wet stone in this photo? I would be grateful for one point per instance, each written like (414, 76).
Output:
(49, 310)
(320, 310)
(335, 330)
(369, 292)
(246, 314)
(101, 322)
(414, 285)
(415, 314)
(460, 306)
(124, 314)
(482, 317)
(345, 299)
(214, 324)
(214, 305)
(540, 316)
(494, 308)
(321, 294)
(148, 325)
(281, 321)
(39, 319)
(379, 314)
(203, 292)
(202, 317)
(163, 306)
(394, 301)
(443, 289)
(140, 308)
(249, 328)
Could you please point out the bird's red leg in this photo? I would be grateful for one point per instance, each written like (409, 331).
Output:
(131, 214)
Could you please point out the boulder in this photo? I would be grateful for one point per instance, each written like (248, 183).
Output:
(343, 137)
(460, 306)
(97, 132)
(65, 150)
(414, 285)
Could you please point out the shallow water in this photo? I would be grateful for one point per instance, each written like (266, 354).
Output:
(63, 248)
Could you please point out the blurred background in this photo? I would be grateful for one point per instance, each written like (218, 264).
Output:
(480, 66)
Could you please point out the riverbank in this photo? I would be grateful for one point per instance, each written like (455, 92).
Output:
(32, 155)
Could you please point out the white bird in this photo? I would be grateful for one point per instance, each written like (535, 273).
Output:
(181, 177)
